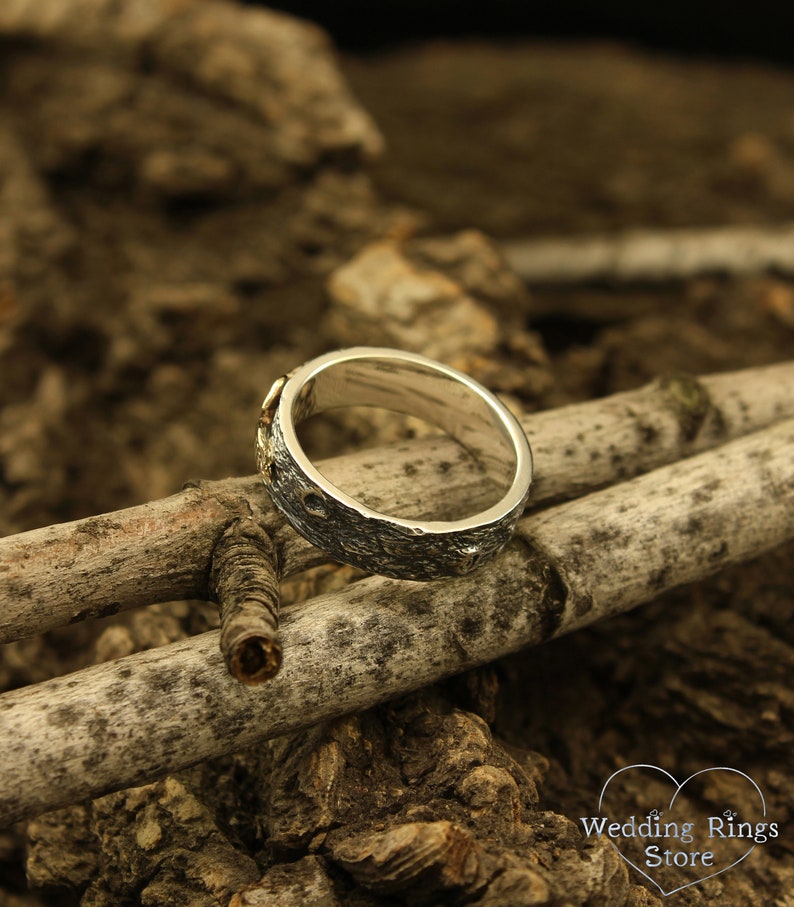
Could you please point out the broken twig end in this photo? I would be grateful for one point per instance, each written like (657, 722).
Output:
(253, 658)
(244, 579)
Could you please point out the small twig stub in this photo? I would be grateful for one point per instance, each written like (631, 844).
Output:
(244, 579)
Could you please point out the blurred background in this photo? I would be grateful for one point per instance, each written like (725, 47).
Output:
(705, 26)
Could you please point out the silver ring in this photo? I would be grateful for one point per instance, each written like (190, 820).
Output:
(347, 529)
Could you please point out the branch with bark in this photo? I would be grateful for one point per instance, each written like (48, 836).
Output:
(653, 256)
(244, 581)
(162, 551)
(138, 718)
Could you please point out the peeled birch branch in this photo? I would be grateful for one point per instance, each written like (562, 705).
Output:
(653, 256)
(162, 550)
(130, 721)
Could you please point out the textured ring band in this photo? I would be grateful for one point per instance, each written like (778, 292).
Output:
(349, 530)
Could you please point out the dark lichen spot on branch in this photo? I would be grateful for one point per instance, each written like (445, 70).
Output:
(693, 526)
(719, 552)
(471, 627)
(705, 494)
(658, 578)
(97, 528)
(648, 433)
(64, 716)
(618, 465)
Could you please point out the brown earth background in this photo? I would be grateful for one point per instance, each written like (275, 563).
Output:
(165, 253)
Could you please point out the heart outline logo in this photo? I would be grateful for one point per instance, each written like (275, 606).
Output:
(678, 788)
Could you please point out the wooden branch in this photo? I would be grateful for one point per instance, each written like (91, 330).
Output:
(653, 256)
(244, 580)
(162, 550)
(125, 722)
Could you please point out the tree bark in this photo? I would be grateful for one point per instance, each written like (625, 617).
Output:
(653, 256)
(244, 580)
(162, 550)
(138, 718)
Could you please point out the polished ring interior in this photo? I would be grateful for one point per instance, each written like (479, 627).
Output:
(406, 383)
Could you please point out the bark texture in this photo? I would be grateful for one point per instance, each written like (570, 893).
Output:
(244, 578)
(98, 566)
(654, 256)
(135, 719)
